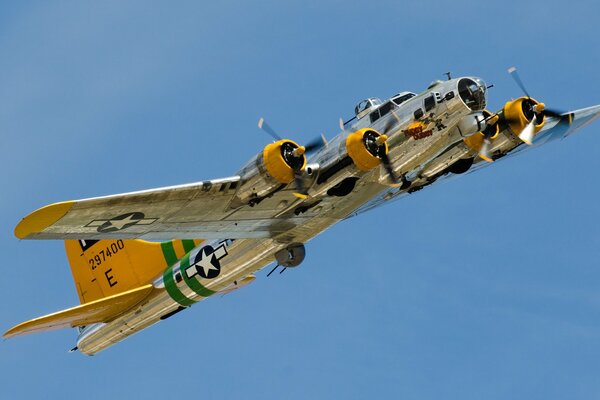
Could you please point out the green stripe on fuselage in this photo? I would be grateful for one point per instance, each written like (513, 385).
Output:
(173, 290)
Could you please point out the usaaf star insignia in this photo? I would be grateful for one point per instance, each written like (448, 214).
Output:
(121, 222)
(206, 263)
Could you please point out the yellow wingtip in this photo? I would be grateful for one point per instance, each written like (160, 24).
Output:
(42, 218)
(300, 195)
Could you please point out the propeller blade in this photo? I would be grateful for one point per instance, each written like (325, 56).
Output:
(301, 192)
(484, 152)
(392, 123)
(262, 124)
(553, 113)
(314, 145)
(513, 72)
(342, 124)
(388, 167)
(527, 133)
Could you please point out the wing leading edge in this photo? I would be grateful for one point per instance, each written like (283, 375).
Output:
(208, 209)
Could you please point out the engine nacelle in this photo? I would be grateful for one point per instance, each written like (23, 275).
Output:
(475, 141)
(291, 256)
(471, 124)
(364, 147)
(520, 112)
(279, 161)
(274, 167)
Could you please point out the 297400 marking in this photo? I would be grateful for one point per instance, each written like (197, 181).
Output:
(108, 251)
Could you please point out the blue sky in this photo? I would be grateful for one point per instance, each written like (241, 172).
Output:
(483, 287)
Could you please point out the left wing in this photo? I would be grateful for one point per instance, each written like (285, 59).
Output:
(205, 209)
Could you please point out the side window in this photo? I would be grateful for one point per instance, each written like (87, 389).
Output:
(386, 108)
(374, 116)
(429, 103)
(401, 99)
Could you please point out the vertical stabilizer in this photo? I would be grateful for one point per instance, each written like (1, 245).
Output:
(104, 268)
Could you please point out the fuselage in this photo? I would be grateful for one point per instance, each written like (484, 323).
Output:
(420, 128)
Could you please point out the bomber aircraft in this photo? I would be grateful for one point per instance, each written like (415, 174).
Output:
(137, 258)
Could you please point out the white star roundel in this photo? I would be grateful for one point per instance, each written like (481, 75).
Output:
(120, 222)
(206, 263)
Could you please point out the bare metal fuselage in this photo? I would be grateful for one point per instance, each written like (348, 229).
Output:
(415, 152)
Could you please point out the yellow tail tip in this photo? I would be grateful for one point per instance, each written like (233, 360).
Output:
(300, 195)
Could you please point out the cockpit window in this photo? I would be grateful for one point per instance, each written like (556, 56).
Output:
(386, 108)
(381, 111)
(402, 98)
(364, 106)
(472, 94)
(374, 116)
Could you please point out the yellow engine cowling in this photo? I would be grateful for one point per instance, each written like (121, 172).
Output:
(518, 113)
(268, 171)
(278, 164)
(362, 147)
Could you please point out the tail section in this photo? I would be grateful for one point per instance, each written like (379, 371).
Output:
(103, 268)
(85, 314)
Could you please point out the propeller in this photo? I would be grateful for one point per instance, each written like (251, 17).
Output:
(262, 124)
(490, 130)
(385, 160)
(392, 123)
(294, 156)
(528, 132)
(377, 146)
(538, 111)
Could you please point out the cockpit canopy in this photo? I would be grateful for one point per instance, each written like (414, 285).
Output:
(370, 104)
(365, 106)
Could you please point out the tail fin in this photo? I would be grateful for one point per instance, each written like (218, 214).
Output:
(103, 268)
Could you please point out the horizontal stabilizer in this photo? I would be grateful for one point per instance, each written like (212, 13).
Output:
(102, 310)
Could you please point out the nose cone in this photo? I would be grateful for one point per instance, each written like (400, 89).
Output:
(472, 92)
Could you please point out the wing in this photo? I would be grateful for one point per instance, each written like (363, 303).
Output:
(205, 209)
(554, 129)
